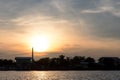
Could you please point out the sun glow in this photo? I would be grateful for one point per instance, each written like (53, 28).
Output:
(40, 43)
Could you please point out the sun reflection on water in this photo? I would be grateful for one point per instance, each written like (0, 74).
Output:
(40, 75)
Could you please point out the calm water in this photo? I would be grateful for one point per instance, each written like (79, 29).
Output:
(59, 75)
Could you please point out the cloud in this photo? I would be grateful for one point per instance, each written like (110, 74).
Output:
(100, 10)
(103, 25)
(103, 19)
(105, 6)
(73, 20)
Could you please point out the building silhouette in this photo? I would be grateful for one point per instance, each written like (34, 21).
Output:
(24, 62)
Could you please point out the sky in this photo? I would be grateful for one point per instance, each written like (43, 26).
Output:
(73, 27)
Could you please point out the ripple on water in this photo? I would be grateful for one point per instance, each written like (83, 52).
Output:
(59, 75)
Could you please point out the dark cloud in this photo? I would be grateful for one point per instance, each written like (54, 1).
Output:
(104, 25)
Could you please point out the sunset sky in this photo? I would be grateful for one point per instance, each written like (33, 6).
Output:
(69, 27)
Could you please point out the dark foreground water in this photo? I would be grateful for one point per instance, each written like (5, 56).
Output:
(59, 75)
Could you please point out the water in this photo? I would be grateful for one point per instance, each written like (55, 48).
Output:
(59, 75)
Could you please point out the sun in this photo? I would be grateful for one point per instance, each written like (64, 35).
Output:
(40, 43)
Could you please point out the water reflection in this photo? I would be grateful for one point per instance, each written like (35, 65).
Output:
(39, 75)
(59, 75)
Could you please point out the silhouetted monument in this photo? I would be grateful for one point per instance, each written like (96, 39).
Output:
(32, 55)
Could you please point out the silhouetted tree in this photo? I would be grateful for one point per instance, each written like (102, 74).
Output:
(54, 63)
(90, 60)
(62, 61)
(66, 63)
(77, 59)
(43, 62)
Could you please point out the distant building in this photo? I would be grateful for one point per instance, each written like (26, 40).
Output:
(23, 62)
(109, 61)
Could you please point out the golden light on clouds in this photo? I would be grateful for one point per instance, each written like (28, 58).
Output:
(45, 33)
(48, 34)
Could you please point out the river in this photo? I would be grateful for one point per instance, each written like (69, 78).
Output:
(59, 75)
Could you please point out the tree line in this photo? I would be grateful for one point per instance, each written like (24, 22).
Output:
(65, 63)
